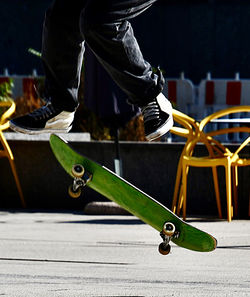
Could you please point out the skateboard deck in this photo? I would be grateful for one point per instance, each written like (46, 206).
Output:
(138, 203)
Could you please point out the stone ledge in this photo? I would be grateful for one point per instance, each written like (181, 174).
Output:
(74, 137)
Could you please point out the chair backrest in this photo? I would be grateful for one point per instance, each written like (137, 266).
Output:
(191, 130)
(241, 131)
(9, 107)
(185, 126)
(219, 94)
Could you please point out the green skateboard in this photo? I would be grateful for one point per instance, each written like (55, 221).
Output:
(110, 185)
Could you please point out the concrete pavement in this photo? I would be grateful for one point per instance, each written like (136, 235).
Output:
(71, 254)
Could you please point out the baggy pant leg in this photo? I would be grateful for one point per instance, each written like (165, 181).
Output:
(110, 36)
(62, 52)
(105, 27)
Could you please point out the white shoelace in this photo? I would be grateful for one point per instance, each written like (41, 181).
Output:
(44, 112)
(151, 111)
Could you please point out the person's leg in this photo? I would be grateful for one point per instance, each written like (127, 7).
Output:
(109, 35)
(105, 26)
(62, 53)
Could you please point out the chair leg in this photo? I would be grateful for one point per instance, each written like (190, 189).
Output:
(9, 155)
(18, 185)
(235, 188)
(228, 191)
(177, 186)
(180, 201)
(217, 191)
(184, 189)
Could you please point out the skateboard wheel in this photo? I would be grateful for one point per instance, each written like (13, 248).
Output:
(73, 193)
(164, 249)
(77, 170)
(168, 229)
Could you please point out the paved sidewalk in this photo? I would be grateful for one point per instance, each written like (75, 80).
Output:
(66, 254)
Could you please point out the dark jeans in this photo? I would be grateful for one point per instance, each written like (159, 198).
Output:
(104, 26)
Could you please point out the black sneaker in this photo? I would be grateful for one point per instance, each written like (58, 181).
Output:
(47, 119)
(158, 119)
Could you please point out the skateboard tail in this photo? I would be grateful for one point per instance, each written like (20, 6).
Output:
(131, 198)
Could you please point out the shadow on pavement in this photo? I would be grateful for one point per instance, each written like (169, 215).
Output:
(105, 222)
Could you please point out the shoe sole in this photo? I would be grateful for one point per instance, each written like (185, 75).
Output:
(31, 131)
(164, 129)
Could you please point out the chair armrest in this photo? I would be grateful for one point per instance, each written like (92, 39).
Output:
(4, 118)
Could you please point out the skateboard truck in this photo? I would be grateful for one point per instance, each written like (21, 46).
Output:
(168, 232)
(81, 178)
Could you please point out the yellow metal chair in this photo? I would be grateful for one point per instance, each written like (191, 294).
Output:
(9, 107)
(218, 155)
(239, 161)
(235, 159)
(189, 128)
